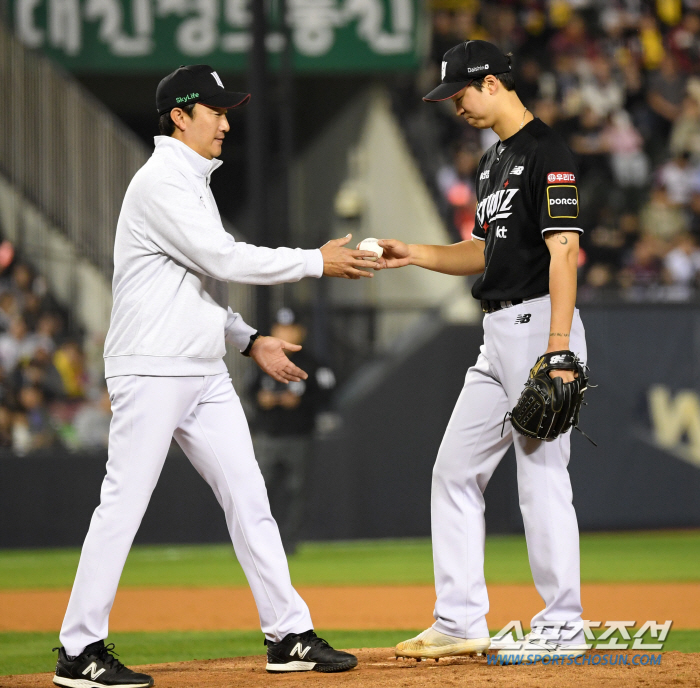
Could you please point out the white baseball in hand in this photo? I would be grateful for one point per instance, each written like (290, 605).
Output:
(371, 245)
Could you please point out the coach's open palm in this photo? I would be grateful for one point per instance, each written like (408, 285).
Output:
(396, 254)
(268, 353)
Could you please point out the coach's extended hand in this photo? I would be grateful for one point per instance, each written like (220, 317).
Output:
(344, 262)
(268, 353)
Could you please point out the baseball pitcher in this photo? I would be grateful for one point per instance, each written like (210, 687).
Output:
(525, 247)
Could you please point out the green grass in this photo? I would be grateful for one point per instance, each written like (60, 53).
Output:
(26, 653)
(671, 556)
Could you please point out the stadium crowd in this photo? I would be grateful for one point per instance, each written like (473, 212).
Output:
(47, 396)
(620, 80)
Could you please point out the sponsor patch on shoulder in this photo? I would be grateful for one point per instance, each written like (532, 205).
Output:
(561, 178)
(562, 201)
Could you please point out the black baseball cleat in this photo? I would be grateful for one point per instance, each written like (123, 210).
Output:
(306, 652)
(96, 667)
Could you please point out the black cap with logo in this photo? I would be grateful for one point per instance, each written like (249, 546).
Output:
(195, 84)
(464, 63)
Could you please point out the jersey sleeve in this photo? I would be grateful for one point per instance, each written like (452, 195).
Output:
(478, 231)
(238, 331)
(179, 225)
(553, 187)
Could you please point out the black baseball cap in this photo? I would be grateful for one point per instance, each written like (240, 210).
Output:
(464, 63)
(195, 84)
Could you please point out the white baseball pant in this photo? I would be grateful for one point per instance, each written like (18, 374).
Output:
(205, 416)
(470, 451)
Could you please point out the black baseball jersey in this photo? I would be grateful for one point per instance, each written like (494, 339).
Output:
(525, 186)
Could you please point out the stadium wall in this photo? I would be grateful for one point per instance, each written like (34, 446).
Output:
(371, 479)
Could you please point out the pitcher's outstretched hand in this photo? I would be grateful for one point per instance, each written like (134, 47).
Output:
(396, 254)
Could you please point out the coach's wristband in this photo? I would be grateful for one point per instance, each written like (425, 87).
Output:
(248, 348)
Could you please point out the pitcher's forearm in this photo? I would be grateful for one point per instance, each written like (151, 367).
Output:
(465, 258)
(562, 291)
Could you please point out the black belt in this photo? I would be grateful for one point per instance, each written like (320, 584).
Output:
(489, 306)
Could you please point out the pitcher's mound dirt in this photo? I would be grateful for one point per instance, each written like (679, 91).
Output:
(379, 669)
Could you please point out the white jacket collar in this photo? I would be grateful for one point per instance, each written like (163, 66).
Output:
(172, 147)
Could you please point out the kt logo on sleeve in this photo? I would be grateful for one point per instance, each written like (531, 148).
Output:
(562, 201)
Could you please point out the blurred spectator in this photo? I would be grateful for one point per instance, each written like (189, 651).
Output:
(661, 218)
(666, 94)
(591, 146)
(467, 27)
(48, 326)
(572, 40)
(684, 43)
(16, 345)
(682, 263)
(643, 268)
(694, 224)
(91, 423)
(602, 92)
(443, 37)
(6, 423)
(8, 309)
(528, 83)
(33, 428)
(629, 163)
(457, 186)
(70, 363)
(677, 178)
(651, 43)
(285, 419)
(685, 134)
(39, 372)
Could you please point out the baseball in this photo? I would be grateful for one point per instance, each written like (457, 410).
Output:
(371, 245)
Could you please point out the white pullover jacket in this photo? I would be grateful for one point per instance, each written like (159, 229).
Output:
(172, 261)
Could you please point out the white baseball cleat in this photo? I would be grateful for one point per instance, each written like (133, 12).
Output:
(432, 644)
(534, 649)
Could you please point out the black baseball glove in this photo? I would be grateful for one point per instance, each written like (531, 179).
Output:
(549, 406)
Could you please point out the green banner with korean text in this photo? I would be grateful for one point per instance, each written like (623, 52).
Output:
(122, 36)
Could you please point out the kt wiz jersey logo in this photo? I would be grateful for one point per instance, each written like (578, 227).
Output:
(496, 206)
(562, 201)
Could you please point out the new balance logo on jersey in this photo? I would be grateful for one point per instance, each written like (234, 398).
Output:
(484, 175)
(501, 232)
(93, 670)
(496, 206)
(299, 651)
(523, 319)
(518, 169)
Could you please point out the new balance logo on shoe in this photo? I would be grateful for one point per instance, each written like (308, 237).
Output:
(299, 650)
(93, 670)
(523, 319)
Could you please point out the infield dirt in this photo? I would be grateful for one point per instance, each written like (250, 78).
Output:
(379, 669)
(363, 608)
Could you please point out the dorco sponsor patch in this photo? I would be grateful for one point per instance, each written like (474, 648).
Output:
(561, 178)
(562, 201)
